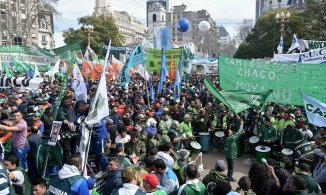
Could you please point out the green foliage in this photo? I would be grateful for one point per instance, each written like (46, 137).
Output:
(104, 30)
(265, 36)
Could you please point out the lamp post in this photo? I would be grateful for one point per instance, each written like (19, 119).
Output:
(89, 29)
(282, 18)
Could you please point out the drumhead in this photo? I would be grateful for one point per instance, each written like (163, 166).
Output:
(312, 144)
(219, 134)
(263, 148)
(195, 145)
(254, 139)
(204, 133)
(287, 151)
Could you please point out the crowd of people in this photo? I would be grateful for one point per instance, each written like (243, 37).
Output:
(144, 146)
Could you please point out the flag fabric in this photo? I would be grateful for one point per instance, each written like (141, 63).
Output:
(280, 46)
(143, 72)
(79, 85)
(151, 90)
(116, 66)
(90, 55)
(177, 83)
(295, 44)
(300, 58)
(9, 72)
(237, 100)
(315, 110)
(30, 71)
(18, 66)
(36, 72)
(165, 40)
(171, 70)
(55, 69)
(163, 73)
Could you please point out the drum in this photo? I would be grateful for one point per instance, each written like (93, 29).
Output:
(195, 147)
(306, 149)
(262, 152)
(219, 135)
(287, 156)
(253, 140)
(204, 141)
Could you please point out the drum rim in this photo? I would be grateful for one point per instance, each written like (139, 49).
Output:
(221, 133)
(203, 133)
(268, 149)
(194, 142)
(287, 149)
(307, 143)
(256, 138)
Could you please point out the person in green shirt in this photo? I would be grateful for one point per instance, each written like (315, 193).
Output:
(192, 186)
(230, 149)
(150, 183)
(313, 186)
(291, 137)
(268, 133)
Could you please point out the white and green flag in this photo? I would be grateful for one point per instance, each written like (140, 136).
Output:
(315, 109)
(55, 69)
(79, 85)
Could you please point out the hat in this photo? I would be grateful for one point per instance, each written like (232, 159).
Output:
(304, 167)
(38, 114)
(2, 100)
(2, 95)
(151, 114)
(151, 179)
(184, 154)
(220, 165)
(157, 106)
(90, 182)
(140, 116)
(187, 116)
(110, 121)
(128, 174)
(292, 115)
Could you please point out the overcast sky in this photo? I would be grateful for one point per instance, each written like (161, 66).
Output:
(226, 11)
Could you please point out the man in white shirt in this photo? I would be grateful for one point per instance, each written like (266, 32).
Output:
(306, 132)
(165, 154)
(123, 137)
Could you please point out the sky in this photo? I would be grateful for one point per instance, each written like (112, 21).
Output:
(228, 13)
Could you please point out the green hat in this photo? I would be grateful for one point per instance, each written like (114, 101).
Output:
(2, 100)
(38, 114)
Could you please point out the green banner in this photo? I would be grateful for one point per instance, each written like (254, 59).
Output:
(66, 51)
(284, 78)
(154, 59)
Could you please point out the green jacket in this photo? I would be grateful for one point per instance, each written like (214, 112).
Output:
(138, 148)
(230, 144)
(27, 186)
(5, 185)
(290, 139)
(313, 186)
(194, 187)
(282, 124)
(55, 155)
(268, 133)
(186, 128)
(214, 176)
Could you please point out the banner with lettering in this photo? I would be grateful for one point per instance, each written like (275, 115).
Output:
(316, 56)
(311, 44)
(284, 78)
(154, 59)
(25, 55)
(21, 83)
(315, 109)
(65, 52)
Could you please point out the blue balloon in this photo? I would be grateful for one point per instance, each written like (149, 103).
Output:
(183, 24)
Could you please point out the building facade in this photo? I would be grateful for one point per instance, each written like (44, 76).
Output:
(24, 22)
(265, 6)
(132, 29)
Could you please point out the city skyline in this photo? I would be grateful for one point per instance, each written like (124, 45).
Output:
(220, 11)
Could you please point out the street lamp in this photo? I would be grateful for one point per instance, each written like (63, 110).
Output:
(282, 18)
(89, 29)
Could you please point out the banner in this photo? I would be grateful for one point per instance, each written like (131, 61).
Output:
(204, 66)
(154, 59)
(238, 101)
(315, 109)
(79, 85)
(311, 44)
(284, 78)
(66, 51)
(24, 55)
(21, 83)
(317, 56)
(118, 49)
(136, 58)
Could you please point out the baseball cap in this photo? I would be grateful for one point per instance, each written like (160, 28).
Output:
(151, 179)
(128, 174)
(220, 165)
(304, 167)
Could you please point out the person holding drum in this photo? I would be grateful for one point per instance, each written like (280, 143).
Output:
(268, 133)
(187, 130)
(230, 149)
(291, 137)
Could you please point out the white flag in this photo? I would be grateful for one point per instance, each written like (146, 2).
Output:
(79, 85)
(36, 72)
(55, 69)
(295, 44)
(315, 109)
(143, 72)
(280, 46)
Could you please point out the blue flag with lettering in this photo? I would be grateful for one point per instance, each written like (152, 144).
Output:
(177, 82)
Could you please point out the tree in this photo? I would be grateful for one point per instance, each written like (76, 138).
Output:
(104, 31)
(243, 31)
(264, 37)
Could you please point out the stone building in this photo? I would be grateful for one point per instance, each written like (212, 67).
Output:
(24, 22)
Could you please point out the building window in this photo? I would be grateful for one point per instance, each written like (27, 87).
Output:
(43, 38)
(33, 35)
(154, 17)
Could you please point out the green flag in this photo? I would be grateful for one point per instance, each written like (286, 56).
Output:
(18, 66)
(5, 68)
(238, 100)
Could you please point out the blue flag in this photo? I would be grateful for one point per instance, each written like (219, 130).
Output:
(30, 72)
(165, 40)
(155, 43)
(164, 73)
(151, 90)
(177, 82)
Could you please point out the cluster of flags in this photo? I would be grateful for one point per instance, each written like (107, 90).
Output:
(295, 45)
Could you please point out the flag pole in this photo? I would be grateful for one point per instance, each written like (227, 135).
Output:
(147, 92)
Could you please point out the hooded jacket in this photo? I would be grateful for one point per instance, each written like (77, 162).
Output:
(192, 187)
(113, 181)
(214, 176)
(68, 181)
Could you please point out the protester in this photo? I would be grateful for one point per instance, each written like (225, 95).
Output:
(215, 175)
(150, 183)
(113, 180)
(192, 186)
(312, 185)
(168, 180)
(39, 186)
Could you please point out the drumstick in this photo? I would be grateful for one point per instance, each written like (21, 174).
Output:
(264, 161)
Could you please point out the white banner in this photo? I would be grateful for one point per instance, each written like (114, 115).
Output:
(79, 85)
(21, 83)
(311, 44)
(316, 56)
(316, 110)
